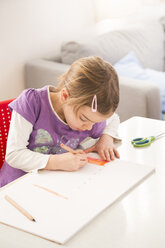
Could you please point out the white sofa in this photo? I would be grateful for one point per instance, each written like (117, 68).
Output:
(137, 97)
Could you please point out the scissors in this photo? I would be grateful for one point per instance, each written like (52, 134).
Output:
(141, 142)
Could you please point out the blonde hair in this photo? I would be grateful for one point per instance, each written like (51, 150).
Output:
(91, 76)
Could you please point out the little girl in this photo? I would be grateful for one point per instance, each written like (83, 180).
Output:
(42, 119)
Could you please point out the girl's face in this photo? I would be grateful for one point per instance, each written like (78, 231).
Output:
(84, 119)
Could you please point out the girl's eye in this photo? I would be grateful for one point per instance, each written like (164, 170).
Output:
(82, 119)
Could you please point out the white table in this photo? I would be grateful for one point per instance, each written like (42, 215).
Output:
(136, 220)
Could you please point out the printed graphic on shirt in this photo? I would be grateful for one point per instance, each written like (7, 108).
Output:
(44, 137)
(73, 143)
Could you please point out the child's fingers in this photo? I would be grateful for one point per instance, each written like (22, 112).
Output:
(83, 163)
(82, 159)
(112, 155)
(79, 151)
(107, 155)
(102, 154)
(116, 153)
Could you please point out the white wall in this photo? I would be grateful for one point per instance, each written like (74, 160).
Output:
(35, 28)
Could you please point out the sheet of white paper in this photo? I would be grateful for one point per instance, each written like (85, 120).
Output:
(88, 191)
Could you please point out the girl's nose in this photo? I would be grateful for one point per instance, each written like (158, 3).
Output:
(88, 126)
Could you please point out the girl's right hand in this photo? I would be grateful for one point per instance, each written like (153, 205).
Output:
(67, 161)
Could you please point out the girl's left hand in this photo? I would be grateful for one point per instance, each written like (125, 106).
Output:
(105, 148)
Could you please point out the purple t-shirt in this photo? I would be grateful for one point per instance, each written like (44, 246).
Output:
(48, 129)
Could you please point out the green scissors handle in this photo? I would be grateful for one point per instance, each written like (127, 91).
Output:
(141, 142)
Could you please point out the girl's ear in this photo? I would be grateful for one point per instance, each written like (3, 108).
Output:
(64, 95)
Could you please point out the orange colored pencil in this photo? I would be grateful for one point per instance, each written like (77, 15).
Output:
(67, 148)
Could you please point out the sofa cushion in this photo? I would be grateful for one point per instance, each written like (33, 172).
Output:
(129, 66)
(145, 39)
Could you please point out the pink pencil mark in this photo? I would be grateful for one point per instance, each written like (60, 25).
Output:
(51, 191)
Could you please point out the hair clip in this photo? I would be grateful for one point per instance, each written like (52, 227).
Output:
(94, 104)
